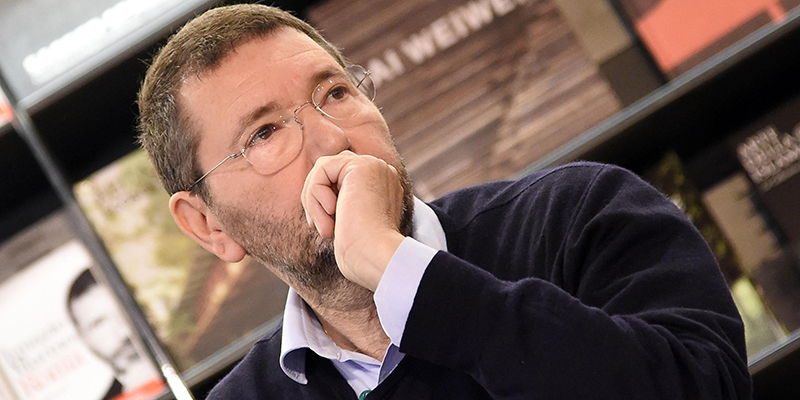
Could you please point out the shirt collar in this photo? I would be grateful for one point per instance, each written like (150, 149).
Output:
(302, 330)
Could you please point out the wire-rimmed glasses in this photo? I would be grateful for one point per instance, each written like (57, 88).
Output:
(275, 144)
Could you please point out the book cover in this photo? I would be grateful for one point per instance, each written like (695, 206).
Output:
(196, 303)
(769, 153)
(730, 203)
(680, 34)
(766, 311)
(65, 337)
(472, 90)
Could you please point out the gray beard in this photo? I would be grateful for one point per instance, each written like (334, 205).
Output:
(297, 254)
(300, 256)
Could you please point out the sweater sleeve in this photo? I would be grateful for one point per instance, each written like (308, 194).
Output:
(622, 299)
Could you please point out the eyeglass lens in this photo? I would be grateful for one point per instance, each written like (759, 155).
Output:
(275, 145)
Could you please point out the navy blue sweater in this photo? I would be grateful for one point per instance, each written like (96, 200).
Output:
(581, 282)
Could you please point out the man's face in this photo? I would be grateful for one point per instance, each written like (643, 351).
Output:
(263, 213)
(102, 327)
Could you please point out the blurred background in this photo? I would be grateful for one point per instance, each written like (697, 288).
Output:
(700, 98)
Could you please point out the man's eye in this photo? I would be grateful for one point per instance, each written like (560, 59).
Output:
(261, 135)
(337, 92)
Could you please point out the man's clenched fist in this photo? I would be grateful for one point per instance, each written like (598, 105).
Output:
(357, 199)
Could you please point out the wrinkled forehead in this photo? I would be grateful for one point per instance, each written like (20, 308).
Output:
(277, 67)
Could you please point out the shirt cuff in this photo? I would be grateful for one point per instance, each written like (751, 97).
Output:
(398, 286)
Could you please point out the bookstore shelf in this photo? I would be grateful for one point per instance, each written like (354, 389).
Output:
(85, 119)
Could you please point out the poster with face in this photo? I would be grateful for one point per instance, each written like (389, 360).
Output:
(65, 337)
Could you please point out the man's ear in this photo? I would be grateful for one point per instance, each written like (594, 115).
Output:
(195, 219)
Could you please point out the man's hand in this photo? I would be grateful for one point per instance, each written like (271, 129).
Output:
(357, 199)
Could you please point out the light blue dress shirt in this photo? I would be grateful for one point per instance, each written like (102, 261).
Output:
(393, 299)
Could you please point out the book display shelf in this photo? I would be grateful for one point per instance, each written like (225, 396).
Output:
(713, 123)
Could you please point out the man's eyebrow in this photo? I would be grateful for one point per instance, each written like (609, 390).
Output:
(251, 117)
(325, 74)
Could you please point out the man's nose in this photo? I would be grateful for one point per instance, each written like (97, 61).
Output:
(322, 136)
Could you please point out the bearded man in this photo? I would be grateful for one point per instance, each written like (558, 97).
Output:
(579, 282)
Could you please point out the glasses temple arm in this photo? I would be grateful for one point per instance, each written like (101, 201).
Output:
(234, 155)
